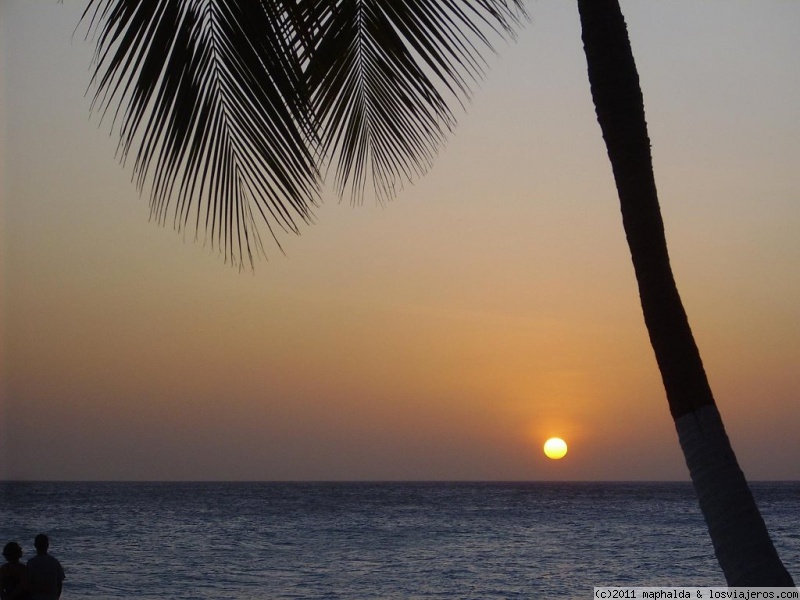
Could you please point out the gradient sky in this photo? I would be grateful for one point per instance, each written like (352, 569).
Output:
(445, 335)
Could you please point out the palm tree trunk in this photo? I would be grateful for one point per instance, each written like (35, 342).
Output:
(738, 533)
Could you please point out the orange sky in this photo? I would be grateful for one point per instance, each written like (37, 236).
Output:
(443, 336)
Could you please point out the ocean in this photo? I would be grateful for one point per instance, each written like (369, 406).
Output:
(256, 541)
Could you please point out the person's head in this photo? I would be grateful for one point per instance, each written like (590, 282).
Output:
(12, 552)
(41, 542)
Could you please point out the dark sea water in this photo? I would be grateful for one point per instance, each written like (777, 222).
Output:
(245, 541)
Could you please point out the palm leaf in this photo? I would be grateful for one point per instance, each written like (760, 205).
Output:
(211, 95)
(381, 78)
(230, 108)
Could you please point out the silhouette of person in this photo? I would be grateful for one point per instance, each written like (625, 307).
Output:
(13, 574)
(45, 575)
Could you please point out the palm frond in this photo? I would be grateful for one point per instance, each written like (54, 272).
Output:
(230, 107)
(383, 75)
(212, 95)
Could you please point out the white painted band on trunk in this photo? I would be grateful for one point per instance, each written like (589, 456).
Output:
(704, 441)
(740, 538)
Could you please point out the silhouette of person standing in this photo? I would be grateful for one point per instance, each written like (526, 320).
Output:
(45, 575)
(13, 574)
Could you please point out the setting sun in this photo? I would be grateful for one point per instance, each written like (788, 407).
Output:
(555, 448)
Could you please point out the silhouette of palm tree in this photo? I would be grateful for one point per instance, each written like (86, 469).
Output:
(236, 109)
